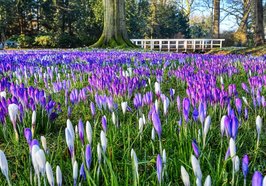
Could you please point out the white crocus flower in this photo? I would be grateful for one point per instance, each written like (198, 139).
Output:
(89, 132)
(185, 176)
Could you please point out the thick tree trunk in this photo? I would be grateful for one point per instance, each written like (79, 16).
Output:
(240, 36)
(114, 32)
(259, 29)
(216, 18)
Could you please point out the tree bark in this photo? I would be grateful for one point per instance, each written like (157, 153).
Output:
(240, 36)
(259, 29)
(216, 19)
(114, 32)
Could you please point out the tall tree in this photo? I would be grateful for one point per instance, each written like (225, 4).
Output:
(216, 18)
(114, 31)
(259, 29)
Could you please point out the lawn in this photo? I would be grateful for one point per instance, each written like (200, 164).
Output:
(107, 117)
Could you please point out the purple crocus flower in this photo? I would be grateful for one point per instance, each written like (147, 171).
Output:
(195, 148)
(186, 106)
(82, 172)
(245, 162)
(104, 123)
(238, 103)
(159, 167)
(246, 113)
(234, 127)
(195, 114)
(81, 131)
(88, 156)
(178, 103)
(228, 126)
(157, 123)
(257, 179)
(92, 106)
(28, 135)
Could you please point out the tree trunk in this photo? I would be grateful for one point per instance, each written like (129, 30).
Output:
(259, 29)
(240, 36)
(216, 18)
(114, 32)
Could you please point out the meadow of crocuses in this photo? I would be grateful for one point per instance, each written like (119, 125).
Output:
(71, 117)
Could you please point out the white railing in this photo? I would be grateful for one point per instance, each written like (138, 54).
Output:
(178, 44)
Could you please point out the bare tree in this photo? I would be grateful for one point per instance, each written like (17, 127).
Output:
(259, 29)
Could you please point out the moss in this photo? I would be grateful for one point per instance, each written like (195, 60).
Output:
(118, 42)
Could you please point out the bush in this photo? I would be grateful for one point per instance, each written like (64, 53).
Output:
(25, 41)
(44, 41)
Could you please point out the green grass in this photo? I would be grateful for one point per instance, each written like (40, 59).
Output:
(176, 140)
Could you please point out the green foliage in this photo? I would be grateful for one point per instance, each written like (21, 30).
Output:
(66, 40)
(25, 41)
(44, 41)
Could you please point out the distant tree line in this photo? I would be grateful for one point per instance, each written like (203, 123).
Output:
(77, 23)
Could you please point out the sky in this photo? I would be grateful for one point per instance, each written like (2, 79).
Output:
(228, 22)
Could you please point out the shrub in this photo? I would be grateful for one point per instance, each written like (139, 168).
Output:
(44, 41)
(25, 41)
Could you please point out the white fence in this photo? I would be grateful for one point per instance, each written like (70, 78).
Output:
(178, 44)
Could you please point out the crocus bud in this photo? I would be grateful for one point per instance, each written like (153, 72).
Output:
(156, 106)
(159, 167)
(49, 173)
(41, 160)
(88, 156)
(93, 112)
(166, 103)
(232, 146)
(81, 131)
(113, 118)
(70, 128)
(58, 176)
(44, 144)
(75, 172)
(124, 107)
(135, 162)
(89, 132)
(196, 167)
(164, 156)
(157, 124)
(236, 164)
(104, 124)
(195, 148)
(103, 141)
(33, 121)
(264, 181)
(257, 179)
(207, 124)
(153, 134)
(4, 165)
(245, 162)
(82, 172)
(245, 100)
(222, 125)
(185, 176)
(99, 152)
(13, 113)
(70, 142)
(28, 135)
(140, 125)
(208, 181)
(258, 124)
(157, 88)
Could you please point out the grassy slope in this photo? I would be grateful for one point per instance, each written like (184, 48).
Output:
(256, 51)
